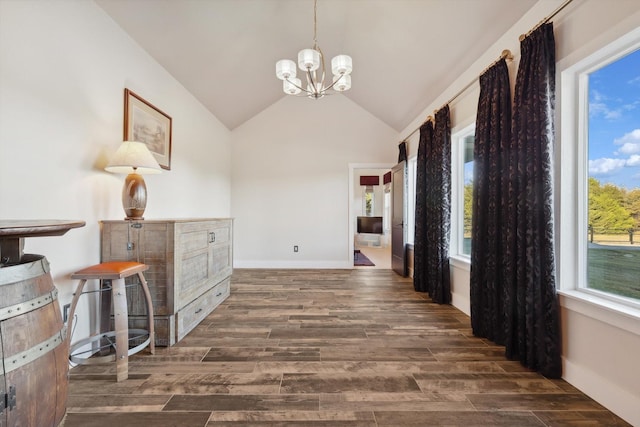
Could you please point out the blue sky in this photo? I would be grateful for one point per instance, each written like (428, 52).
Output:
(614, 122)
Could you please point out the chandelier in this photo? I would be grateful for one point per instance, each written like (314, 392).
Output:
(311, 63)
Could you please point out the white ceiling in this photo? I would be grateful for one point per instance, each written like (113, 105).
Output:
(405, 52)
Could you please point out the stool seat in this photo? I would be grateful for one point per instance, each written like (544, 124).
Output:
(110, 270)
(111, 276)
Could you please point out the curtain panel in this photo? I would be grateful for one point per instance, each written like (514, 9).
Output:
(492, 141)
(531, 305)
(419, 241)
(402, 152)
(433, 209)
(439, 207)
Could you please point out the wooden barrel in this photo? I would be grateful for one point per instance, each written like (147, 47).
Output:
(34, 351)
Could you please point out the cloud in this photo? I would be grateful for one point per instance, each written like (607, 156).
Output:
(629, 143)
(597, 96)
(629, 147)
(634, 81)
(599, 106)
(601, 109)
(605, 166)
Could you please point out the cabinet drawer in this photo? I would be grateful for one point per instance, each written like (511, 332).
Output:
(221, 291)
(192, 314)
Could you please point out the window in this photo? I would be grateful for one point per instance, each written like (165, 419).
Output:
(386, 217)
(613, 188)
(462, 181)
(599, 225)
(368, 199)
(411, 200)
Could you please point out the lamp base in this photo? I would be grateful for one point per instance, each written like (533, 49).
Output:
(134, 196)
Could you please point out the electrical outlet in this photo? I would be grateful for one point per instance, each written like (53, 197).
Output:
(295, 248)
(65, 312)
(129, 246)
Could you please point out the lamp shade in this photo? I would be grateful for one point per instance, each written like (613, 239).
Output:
(133, 156)
(343, 82)
(289, 86)
(285, 68)
(308, 59)
(341, 64)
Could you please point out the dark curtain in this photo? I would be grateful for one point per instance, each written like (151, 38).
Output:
(419, 241)
(532, 313)
(434, 210)
(402, 152)
(492, 140)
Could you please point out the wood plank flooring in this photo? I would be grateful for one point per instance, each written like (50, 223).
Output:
(323, 348)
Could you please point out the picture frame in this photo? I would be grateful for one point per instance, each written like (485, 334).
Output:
(145, 123)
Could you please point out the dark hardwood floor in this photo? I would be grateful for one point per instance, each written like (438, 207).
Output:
(328, 348)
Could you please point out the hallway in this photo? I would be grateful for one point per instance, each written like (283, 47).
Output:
(328, 348)
(379, 255)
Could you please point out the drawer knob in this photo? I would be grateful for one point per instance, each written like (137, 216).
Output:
(212, 237)
(219, 294)
(198, 311)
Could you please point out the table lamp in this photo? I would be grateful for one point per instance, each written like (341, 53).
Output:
(134, 159)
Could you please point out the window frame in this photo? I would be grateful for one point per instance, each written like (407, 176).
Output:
(572, 199)
(457, 192)
(412, 164)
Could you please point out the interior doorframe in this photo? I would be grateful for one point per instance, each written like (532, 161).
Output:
(351, 220)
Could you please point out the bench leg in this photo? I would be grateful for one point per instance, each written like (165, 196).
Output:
(147, 296)
(119, 295)
(106, 298)
(72, 309)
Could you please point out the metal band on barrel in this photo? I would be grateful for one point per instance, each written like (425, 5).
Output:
(26, 271)
(20, 359)
(27, 306)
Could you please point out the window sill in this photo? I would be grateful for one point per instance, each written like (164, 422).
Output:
(610, 312)
(461, 262)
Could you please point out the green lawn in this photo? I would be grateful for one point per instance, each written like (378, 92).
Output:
(614, 269)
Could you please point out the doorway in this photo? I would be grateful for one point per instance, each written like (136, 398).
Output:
(375, 202)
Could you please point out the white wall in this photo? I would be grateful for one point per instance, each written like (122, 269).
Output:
(599, 357)
(63, 69)
(290, 180)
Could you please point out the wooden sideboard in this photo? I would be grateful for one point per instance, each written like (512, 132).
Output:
(190, 264)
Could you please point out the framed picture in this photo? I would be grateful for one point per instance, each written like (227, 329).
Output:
(145, 123)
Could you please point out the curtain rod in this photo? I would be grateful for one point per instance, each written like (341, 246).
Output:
(506, 54)
(545, 20)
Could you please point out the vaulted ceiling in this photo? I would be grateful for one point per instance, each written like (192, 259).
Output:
(405, 52)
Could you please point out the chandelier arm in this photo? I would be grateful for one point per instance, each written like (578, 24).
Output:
(336, 81)
(312, 82)
(323, 68)
(301, 88)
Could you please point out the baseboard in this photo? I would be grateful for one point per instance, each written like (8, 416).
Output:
(461, 303)
(619, 401)
(323, 265)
